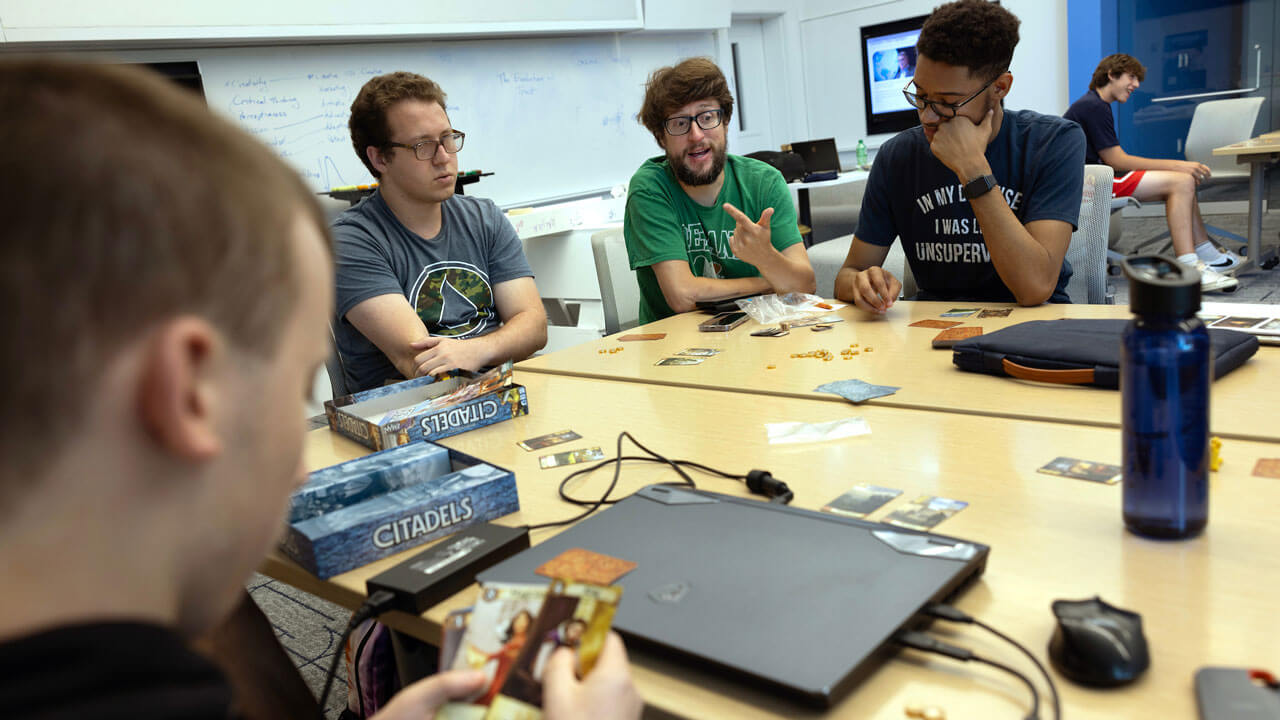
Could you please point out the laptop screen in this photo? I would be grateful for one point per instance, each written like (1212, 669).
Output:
(819, 155)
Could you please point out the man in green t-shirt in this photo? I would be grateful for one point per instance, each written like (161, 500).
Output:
(702, 224)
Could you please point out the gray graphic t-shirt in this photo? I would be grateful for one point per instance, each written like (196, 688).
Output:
(447, 279)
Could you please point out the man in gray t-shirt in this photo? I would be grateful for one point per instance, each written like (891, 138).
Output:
(427, 281)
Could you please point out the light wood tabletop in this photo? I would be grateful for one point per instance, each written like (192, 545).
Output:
(1243, 404)
(1205, 601)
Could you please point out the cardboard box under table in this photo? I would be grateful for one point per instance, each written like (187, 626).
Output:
(426, 408)
(351, 514)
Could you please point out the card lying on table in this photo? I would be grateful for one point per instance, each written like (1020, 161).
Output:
(949, 337)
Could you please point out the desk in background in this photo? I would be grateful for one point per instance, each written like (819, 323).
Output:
(1258, 152)
(1207, 601)
(801, 190)
(1243, 403)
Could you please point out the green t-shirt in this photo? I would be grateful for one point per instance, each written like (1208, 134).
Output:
(663, 223)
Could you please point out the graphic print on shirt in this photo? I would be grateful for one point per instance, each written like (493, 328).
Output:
(938, 206)
(454, 299)
(705, 251)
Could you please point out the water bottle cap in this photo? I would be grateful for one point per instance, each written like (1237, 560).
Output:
(1162, 286)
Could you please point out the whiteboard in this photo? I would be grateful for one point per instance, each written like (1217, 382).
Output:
(548, 116)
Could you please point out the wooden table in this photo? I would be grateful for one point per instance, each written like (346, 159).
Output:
(1207, 601)
(1243, 403)
(1258, 152)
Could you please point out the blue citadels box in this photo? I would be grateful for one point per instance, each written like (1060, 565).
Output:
(427, 408)
(340, 529)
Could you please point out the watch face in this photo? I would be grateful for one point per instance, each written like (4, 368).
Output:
(978, 186)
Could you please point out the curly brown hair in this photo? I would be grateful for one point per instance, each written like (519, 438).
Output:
(368, 121)
(975, 34)
(1115, 66)
(670, 88)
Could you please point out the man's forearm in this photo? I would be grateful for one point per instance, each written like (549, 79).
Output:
(522, 335)
(786, 275)
(1023, 263)
(699, 289)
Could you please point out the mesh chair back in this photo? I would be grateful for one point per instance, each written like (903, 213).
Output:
(1088, 250)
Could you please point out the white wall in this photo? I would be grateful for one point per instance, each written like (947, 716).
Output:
(827, 75)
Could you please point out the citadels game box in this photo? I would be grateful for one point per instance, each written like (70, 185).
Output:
(427, 408)
(353, 513)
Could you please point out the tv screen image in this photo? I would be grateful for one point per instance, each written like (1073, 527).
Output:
(888, 64)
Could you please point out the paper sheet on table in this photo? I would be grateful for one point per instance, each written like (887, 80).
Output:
(800, 432)
(856, 391)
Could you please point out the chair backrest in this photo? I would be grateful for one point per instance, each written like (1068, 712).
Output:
(1088, 250)
(1222, 122)
(619, 291)
(828, 257)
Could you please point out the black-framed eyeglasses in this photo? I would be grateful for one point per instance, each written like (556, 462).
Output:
(426, 149)
(946, 110)
(682, 124)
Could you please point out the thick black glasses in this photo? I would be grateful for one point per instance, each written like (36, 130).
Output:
(946, 110)
(681, 124)
(426, 149)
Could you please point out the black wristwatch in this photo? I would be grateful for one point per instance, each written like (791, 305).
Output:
(978, 187)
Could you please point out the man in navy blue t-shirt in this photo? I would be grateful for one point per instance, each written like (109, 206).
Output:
(984, 200)
(1172, 182)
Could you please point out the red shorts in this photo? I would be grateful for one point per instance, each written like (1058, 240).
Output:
(1124, 185)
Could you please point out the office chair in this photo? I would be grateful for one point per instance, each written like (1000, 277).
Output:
(1214, 124)
(827, 258)
(619, 291)
(1088, 250)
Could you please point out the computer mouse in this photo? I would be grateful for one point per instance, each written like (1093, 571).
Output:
(1098, 644)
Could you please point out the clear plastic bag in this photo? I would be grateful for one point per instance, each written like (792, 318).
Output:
(770, 309)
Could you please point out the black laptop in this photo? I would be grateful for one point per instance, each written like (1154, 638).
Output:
(821, 161)
(806, 603)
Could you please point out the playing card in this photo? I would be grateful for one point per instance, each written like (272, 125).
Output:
(1237, 322)
(455, 625)
(861, 500)
(574, 615)
(925, 512)
(1267, 467)
(700, 352)
(1082, 470)
(498, 629)
(585, 566)
(856, 391)
(959, 312)
(1270, 326)
(680, 361)
(949, 337)
(570, 457)
(641, 336)
(995, 312)
(939, 324)
(544, 441)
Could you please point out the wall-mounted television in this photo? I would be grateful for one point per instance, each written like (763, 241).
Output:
(888, 63)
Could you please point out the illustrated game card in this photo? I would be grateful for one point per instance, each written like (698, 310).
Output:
(1083, 470)
(1238, 322)
(959, 312)
(938, 324)
(861, 501)
(949, 337)
(585, 566)
(1267, 467)
(995, 312)
(574, 615)
(455, 625)
(498, 629)
(545, 441)
(700, 352)
(680, 361)
(570, 457)
(1270, 326)
(641, 336)
(925, 512)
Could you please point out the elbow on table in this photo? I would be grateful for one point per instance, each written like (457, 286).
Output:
(1033, 296)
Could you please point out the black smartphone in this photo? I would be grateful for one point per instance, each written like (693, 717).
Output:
(723, 322)
(723, 305)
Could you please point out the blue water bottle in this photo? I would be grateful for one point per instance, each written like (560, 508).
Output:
(1165, 369)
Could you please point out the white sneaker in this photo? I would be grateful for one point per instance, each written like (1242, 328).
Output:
(1211, 279)
(1227, 262)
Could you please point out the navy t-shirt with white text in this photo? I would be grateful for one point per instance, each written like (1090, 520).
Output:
(1038, 162)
